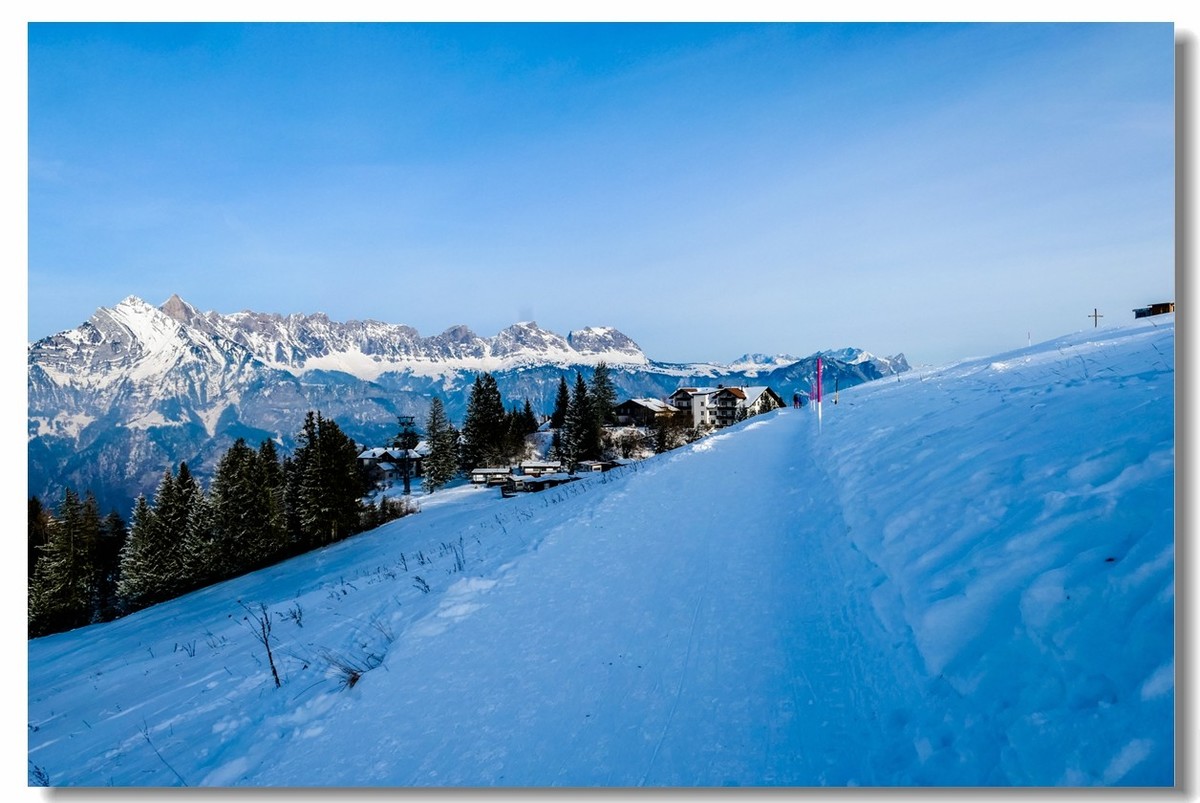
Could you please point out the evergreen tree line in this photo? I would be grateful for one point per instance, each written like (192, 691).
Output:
(492, 435)
(74, 564)
(258, 510)
(580, 416)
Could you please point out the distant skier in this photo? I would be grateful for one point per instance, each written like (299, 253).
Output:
(796, 400)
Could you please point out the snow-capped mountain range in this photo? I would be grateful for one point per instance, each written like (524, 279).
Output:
(365, 349)
(137, 388)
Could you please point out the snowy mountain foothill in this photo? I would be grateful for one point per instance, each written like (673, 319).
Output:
(137, 388)
(955, 577)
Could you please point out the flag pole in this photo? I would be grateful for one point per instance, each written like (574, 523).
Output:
(818, 393)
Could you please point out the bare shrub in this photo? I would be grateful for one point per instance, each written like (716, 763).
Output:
(260, 626)
(383, 628)
(294, 613)
(349, 670)
(397, 507)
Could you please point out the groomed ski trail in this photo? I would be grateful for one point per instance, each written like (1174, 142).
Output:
(736, 648)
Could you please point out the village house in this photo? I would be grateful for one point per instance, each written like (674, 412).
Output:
(642, 412)
(737, 403)
(491, 475)
(387, 465)
(1154, 309)
(722, 406)
(697, 405)
(536, 468)
(515, 484)
(528, 469)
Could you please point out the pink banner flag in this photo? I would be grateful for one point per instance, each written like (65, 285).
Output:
(817, 394)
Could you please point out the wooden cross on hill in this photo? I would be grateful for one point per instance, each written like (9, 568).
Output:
(1095, 316)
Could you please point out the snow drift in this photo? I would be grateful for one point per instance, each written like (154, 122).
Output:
(961, 577)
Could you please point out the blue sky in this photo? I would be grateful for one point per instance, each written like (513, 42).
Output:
(709, 189)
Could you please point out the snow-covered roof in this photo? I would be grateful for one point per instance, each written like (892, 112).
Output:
(695, 391)
(561, 476)
(379, 453)
(752, 393)
(655, 405)
(746, 395)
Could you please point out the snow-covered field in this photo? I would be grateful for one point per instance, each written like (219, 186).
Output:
(964, 577)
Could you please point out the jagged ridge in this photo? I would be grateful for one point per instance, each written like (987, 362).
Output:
(365, 349)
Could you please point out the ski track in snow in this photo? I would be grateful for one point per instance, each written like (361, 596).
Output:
(917, 592)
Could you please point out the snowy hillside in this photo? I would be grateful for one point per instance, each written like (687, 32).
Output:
(963, 576)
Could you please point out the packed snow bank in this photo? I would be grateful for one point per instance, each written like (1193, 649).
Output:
(964, 577)
(1022, 508)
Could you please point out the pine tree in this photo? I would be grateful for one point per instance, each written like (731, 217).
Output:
(561, 402)
(344, 483)
(441, 464)
(39, 532)
(590, 430)
(270, 473)
(177, 515)
(296, 542)
(91, 527)
(240, 512)
(454, 446)
(305, 481)
(201, 554)
(484, 429)
(137, 580)
(662, 435)
(324, 484)
(110, 544)
(604, 399)
(63, 592)
(154, 566)
(514, 435)
(604, 395)
(580, 434)
(529, 422)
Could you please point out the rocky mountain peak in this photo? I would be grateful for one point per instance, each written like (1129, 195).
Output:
(179, 309)
(459, 334)
(604, 340)
(527, 337)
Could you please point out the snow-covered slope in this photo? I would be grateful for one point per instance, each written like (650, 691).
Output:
(961, 577)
